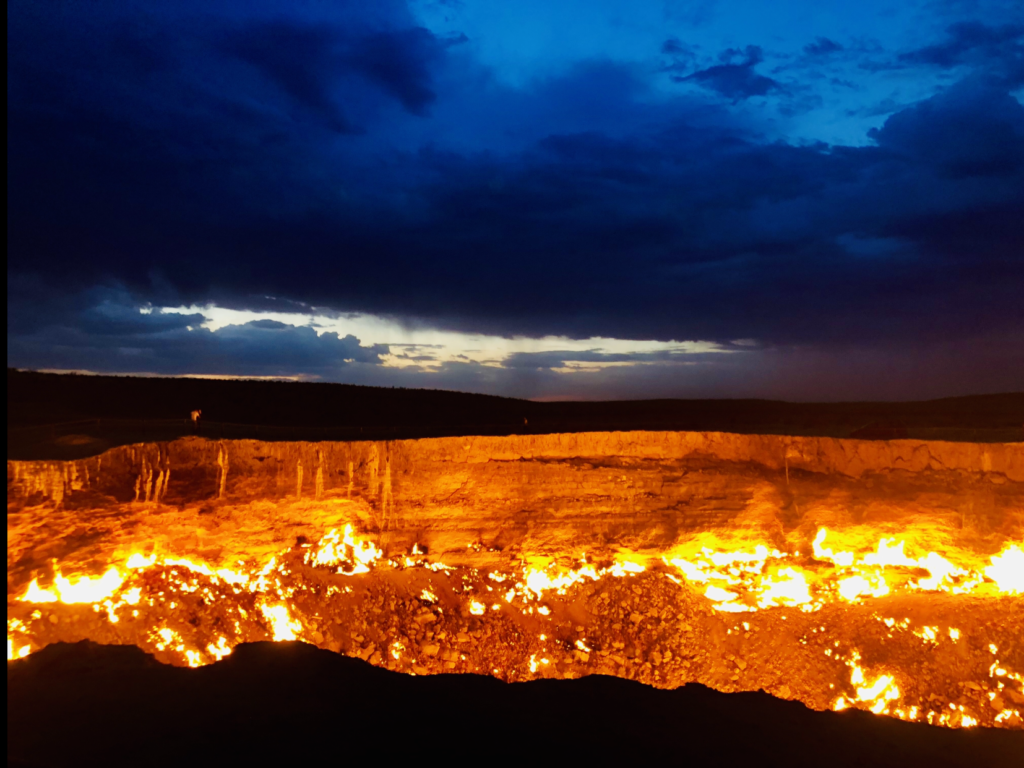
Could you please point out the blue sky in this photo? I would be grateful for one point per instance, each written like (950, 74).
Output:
(540, 199)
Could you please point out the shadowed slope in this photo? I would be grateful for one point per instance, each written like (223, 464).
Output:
(86, 704)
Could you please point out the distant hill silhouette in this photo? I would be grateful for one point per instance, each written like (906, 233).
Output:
(136, 409)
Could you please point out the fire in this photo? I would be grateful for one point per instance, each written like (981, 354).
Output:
(81, 590)
(282, 599)
(1007, 570)
(747, 581)
(282, 625)
(790, 588)
(14, 649)
(853, 587)
(351, 555)
(219, 650)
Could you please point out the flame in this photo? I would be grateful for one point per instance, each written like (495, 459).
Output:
(857, 586)
(853, 567)
(281, 624)
(14, 650)
(742, 581)
(790, 589)
(844, 559)
(345, 550)
(85, 589)
(1007, 570)
(878, 694)
(889, 552)
(219, 650)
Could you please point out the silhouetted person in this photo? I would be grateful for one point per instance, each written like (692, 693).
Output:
(196, 415)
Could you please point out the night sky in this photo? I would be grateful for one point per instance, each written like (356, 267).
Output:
(541, 198)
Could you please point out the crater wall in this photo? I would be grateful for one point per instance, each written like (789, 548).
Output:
(478, 500)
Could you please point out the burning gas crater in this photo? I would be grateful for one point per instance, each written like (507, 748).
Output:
(856, 621)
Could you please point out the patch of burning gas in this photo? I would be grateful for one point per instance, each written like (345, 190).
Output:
(874, 625)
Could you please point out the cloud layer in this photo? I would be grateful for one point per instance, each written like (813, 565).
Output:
(353, 159)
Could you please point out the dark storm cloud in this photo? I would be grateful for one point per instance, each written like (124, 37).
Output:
(242, 156)
(822, 47)
(683, 56)
(1000, 49)
(972, 130)
(297, 58)
(307, 61)
(106, 332)
(735, 78)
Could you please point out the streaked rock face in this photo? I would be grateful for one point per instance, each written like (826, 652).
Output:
(508, 497)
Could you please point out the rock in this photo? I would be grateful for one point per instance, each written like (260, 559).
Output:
(430, 649)
(741, 663)
(997, 703)
(376, 658)
(54, 618)
(318, 637)
(636, 618)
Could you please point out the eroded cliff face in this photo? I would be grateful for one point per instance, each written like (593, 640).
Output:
(484, 500)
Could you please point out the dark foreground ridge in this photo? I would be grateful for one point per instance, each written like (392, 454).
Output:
(87, 704)
(52, 416)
